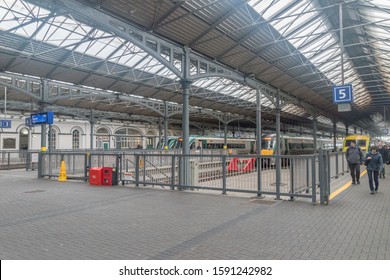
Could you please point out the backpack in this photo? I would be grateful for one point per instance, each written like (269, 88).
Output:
(354, 155)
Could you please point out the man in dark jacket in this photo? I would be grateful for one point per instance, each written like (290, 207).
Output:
(374, 163)
(355, 159)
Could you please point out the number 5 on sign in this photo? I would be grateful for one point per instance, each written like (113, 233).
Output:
(342, 94)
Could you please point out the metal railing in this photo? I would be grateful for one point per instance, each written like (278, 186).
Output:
(11, 159)
(290, 176)
(296, 176)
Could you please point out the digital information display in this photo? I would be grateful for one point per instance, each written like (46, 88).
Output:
(42, 118)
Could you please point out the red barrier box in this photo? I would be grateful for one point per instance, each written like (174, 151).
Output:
(96, 176)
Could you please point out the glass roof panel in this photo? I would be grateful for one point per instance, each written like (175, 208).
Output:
(306, 29)
(294, 109)
(65, 32)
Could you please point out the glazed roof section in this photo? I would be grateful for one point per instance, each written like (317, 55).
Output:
(308, 30)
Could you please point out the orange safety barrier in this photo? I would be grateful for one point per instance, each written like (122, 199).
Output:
(249, 164)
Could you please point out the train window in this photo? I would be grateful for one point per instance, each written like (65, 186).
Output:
(361, 143)
(307, 146)
(267, 143)
(294, 146)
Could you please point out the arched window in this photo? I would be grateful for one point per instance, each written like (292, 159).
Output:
(102, 130)
(53, 134)
(128, 138)
(102, 138)
(76, 139)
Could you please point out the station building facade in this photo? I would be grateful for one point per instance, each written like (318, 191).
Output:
(74, 134)
(67, 134)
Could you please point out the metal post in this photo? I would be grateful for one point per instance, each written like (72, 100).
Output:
(136, 170)
(85, 167)
(334, 137)
(315, 134)
(180, 172)
(225, 130)
(327, 157)
(278, 165)
(50, 138)
(292, 189)
(224, 174)
(173, 179)
(323, 166)
(143, 167)
(186, 131)
(186, 83)
(258, 142)
(313, 180)
(118, 168)
(337, 164)
(307, 176)
(9, 161)
(159, 134)
(165, 126)
(40, 165)
(43, 138)
(5, 103)
(341, 42)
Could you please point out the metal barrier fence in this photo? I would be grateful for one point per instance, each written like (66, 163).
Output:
(19, 159)
(292, 176)
(289, 176)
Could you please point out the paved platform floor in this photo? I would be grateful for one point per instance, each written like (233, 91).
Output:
(47, 219)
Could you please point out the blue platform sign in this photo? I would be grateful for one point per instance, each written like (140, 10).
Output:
(5, 124)
(28, 122)
(385, 131)
(342, 94)
(42, 118)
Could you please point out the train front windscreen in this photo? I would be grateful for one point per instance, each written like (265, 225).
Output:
(267, 143)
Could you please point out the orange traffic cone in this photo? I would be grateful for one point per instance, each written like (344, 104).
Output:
(62, 177)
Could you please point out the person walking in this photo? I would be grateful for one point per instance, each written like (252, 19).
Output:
(355, 159)
(374, 163)
(384, 151)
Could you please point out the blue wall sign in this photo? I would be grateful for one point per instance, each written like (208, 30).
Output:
(5, 124)
(342, 94)
(42, 118)
(28, 122)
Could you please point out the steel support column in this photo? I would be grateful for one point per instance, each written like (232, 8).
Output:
(166, 147)
(315, 134)
(91, 121)
(186, 131)
(334, 136)
(50, 138)
(225, 131)
(258, 142)
(278, 159)
(43, 138)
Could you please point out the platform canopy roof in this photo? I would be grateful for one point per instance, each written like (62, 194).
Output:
(300, 48)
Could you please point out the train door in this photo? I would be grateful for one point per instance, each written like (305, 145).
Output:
(204, 144)
(252, 147)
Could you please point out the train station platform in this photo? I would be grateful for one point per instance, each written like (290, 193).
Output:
(47, 219)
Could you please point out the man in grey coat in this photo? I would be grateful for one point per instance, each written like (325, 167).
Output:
(355, 159)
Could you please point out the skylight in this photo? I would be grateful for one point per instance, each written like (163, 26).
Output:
(306, 28)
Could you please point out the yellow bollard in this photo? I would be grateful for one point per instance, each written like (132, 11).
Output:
(62, 177)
